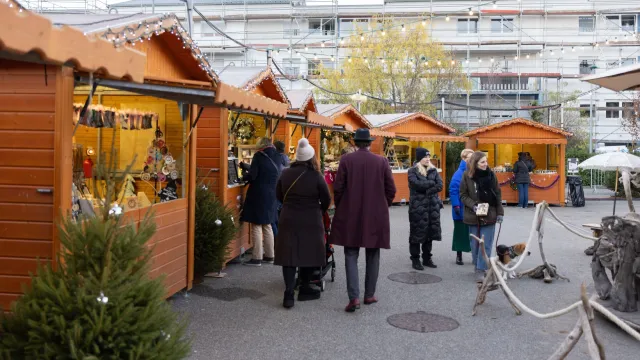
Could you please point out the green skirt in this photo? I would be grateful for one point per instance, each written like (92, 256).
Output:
(461, 239)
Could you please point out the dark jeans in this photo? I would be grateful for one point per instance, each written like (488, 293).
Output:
(414, 250)
(289, 274)
(523, 195)
(371, 276)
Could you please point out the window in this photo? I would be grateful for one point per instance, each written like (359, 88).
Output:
(628, 22)
(585, 110)
(612, 114)
(291, 29)
(352, 26)
(291, 67)
(313, 67)
(467, 26)
(627, 109)
(587, 66)
(587, 24)
(501, 25)
(324, 27)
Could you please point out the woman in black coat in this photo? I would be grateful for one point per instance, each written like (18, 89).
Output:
(424, 209)
(300, 243)
(521, 170)
(260, 207)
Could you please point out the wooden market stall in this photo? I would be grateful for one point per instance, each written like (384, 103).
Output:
(254, 106)
(413, 130)
(337, 140)
(149, 126)
(304, 121)
(547, 145)
(37, 66)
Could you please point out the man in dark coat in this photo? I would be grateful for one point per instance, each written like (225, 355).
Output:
(260, 205)
(363, 191)
(282, 163)
(424, 209)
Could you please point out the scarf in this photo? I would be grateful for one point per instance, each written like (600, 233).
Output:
(484, 184)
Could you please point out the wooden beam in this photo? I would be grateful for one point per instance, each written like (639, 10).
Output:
(191, 188)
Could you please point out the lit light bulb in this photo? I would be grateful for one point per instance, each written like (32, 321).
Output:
(410, 62)
(492, 60)
(397, 62)
(332, 58)
(366, 60)
(597, 45)
(447, 18)
(403, 28)
(470, 12)
(424, 22)
(528, 56)
(322, 44)
(551, 52)
(306, 48)
(315, 57)
(562, 50)
(453, 62)
(361, 37)
(466, 61)
(515, 57)
(573, 49)
(439, 62)
(495, 4)
(341, 41)
(426, 63)
(479, 60)
(607, 42)
(349, 58)
(384, 33)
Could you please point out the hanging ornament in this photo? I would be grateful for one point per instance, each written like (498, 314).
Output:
(162, 177)
(145, 176)
(168, 159)
(173, 175)
(219, 222)
(115, 210)
(102, 299)
(232, 220)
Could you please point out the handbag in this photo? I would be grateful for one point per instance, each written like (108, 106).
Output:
(290, 186)
(482, 209)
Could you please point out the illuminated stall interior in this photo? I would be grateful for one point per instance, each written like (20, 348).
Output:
(413, 130)
(253, 106)
(146, 129)
(36, 94)
(547, 146)
(304, 121)
(338, 140)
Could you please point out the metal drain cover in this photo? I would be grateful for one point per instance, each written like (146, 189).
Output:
(422, 322)
(414, 278)
(226, 294)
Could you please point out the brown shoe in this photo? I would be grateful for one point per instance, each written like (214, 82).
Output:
(353, 305)
(371, 300)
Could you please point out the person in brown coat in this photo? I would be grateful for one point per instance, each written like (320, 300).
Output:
(363, 191)
(300, 241)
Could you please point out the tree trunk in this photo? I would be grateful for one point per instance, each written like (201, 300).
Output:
(624, 235)
(600, 278)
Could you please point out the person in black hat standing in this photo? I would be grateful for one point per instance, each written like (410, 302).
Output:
(424, 209)
(363, 192)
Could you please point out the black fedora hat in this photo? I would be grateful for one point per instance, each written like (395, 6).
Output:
(362, 135)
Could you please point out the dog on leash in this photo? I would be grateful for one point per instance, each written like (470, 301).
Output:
(508, 253)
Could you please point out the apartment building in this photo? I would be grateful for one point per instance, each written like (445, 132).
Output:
(515, 52)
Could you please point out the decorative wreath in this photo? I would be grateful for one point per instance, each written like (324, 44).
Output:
(245, 129)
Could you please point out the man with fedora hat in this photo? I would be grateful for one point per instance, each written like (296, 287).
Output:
(363, 192)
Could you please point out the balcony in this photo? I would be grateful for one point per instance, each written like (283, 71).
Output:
(504, 85)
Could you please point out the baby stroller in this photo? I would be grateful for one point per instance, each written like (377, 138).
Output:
(318, 275)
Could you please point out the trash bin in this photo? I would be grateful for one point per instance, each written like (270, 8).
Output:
(576, 191)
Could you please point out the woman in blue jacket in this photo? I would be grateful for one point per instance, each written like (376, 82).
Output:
(461, 241)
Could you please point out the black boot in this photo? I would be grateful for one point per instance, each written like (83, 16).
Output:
(429, 263)
(459, 258)
(416, 264)
(288, 300)
(307, 293)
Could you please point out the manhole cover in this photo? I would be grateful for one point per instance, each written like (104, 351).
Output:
(414, 278)
(422, 322)
(226, 294)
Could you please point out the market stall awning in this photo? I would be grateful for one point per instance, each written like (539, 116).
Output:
(620, 79)
(381, 133)
(395, 122)
(28, 36)
(317, 119)
(236, 98)
(519, 131)
(442, 138)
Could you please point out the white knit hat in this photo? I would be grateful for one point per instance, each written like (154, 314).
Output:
(305, 151)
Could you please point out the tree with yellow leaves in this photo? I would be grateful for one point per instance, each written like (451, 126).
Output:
(401, 64)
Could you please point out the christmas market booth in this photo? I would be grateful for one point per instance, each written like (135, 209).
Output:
(146, 126)
(38, 62)
(413, 130)
(337, 141)
(304, 121)
(546, 145)
(255, 106)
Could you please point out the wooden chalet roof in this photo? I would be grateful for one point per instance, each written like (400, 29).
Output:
(520, 131)
(32, 36)
(388, 121)
(334, 111)
(257, 79)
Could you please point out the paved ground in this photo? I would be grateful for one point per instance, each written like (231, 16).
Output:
(255, 326)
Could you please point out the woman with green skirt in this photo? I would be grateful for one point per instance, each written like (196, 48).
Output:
(461, 241)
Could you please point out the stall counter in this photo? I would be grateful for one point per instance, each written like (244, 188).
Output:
(543, 187)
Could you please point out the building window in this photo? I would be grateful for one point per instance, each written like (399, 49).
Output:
(628, 22)
(500, 26)
(627, 109)
(325, 27)
(313, 67)
(585, 110)
(612, 22)
(587, 24)
(291, 66)
(467, 26)
(612, 114)
(587, 66)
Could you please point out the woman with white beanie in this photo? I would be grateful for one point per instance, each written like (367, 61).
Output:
(300, 241)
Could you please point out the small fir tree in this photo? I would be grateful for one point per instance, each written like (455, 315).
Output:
(215, 229)
(99, 303)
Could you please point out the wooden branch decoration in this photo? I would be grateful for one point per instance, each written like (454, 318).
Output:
(569, 342)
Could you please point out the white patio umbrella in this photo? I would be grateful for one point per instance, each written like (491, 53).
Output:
(620, 79)
(615, 161)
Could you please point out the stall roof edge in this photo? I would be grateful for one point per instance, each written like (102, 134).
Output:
(299, 98)
(24, 33)
(517, 121)
(334, 110)
(388, 120)
(249, 78)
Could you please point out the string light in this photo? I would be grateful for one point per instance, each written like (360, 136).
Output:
(403, 28)
(349, 58)
(528, 56)
(439, 63)
(492, 60)
(607, 42)
(426, 63)
(424, 22)
(361, 37)
(322, 44)
(306, 48)
(562, 50)
(384, 33)
(366, 60)
(551, 52)
(495, 5)
(479, 60)
(573, 49)
(466, 61)
(332, 58)
(453, 62)
(470, 12)
(515, 57)
(447, 18)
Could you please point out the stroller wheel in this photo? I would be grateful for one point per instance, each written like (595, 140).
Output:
(322, 285)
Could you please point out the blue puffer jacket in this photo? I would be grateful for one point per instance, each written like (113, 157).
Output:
(454, 191)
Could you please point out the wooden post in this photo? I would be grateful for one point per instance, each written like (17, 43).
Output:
(63, 152)
(191, 204)
(562, 173)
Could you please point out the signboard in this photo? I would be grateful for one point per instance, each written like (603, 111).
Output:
(572, 166)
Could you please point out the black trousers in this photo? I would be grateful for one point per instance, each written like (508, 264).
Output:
(414, 250)
(289, 275)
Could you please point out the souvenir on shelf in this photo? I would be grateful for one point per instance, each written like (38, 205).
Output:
(99, 116)
(159, 164)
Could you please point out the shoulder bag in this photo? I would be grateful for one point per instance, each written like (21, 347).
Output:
(290, 186)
